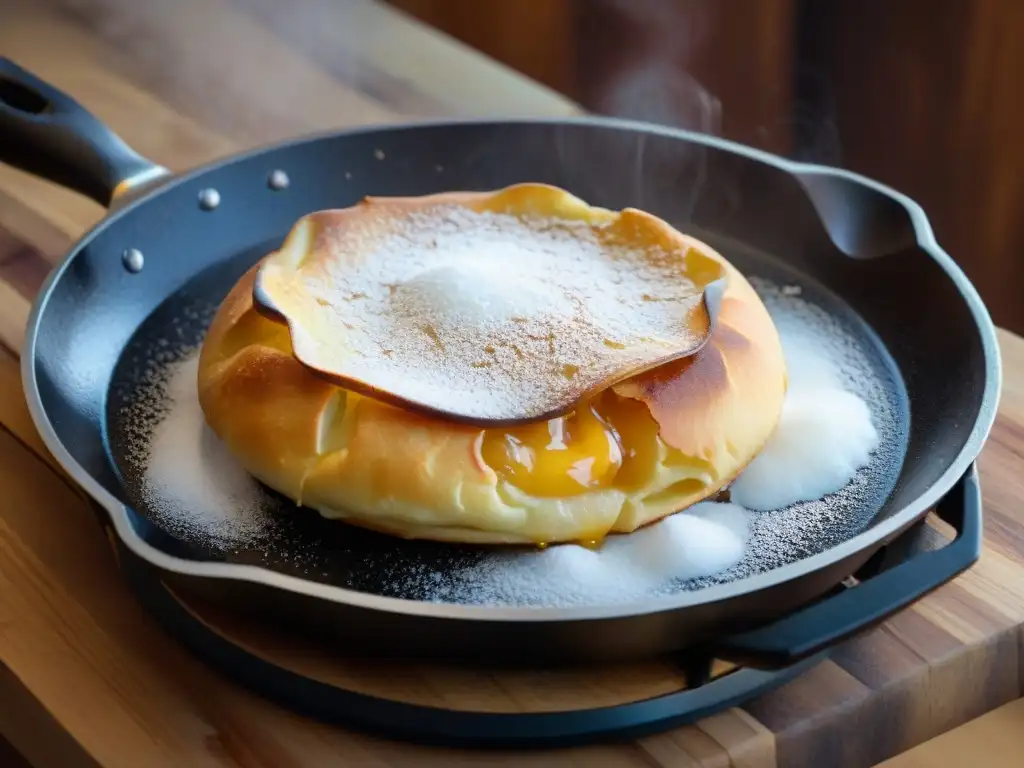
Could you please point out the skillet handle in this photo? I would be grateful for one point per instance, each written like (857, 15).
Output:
(48, 134)
(826, 623)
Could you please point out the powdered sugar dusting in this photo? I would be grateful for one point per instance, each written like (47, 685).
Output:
(184, 480)
(489, 315)
(190, 482)
(837, 382)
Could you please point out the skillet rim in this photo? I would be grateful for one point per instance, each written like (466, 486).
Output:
(874, 536)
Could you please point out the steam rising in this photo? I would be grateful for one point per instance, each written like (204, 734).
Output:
(655, 86)
(650, 81)
(659, 46)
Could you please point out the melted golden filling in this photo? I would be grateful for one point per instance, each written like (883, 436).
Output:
(609, 442)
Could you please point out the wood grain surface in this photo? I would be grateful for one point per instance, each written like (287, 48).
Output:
(88, 679)
(935, 110)
(689, 63)
(996, 735)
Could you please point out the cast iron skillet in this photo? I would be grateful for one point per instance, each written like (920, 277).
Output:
(180, 242)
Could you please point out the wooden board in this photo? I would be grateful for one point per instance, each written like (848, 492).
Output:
(948, 89)
(990, 741)
(88, 679)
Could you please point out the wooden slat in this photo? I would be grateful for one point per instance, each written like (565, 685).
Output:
(385, 54)
(258, 89)
(14, 309)
(949, 90)
(991, 741)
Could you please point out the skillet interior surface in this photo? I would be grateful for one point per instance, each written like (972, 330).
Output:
(276, 534)
(102, 327)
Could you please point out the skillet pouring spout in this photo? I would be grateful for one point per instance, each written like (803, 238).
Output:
(48, 134)
(862, 222)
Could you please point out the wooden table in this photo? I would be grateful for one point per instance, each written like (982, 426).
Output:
(87, 678)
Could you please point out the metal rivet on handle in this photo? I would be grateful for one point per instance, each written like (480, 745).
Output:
(209, 199)
(278, 180)
(133, 260)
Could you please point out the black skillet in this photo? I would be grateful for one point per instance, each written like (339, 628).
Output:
(157, 264)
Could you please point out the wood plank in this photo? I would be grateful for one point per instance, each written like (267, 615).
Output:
(990, 741)
(387, 54)
(14, 309)
(949, 90)
(166, 49)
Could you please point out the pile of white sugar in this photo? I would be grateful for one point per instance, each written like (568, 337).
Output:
(707, 539)
(833, 458)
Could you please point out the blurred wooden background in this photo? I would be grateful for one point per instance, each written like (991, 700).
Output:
(924, 95)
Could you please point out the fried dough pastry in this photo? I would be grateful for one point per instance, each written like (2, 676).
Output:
(349, 383)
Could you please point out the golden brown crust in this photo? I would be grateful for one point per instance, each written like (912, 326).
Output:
(259, 400)
(388, 469)
(697, 401)
(339, 271)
